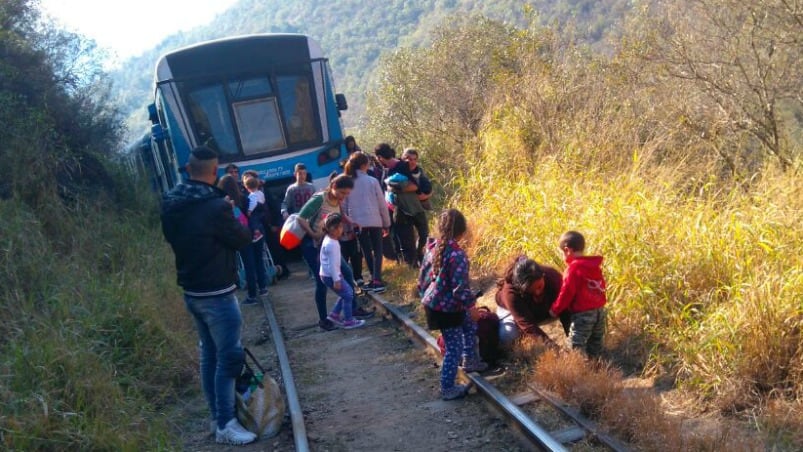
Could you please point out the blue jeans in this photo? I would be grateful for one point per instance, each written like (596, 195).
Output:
(254, 267)
(345, 298)
(312, 258)
(218, 322)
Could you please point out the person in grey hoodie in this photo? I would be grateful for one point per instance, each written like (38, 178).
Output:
(366, 206)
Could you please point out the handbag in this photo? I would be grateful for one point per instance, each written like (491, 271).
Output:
(291, 233)
(260, 406)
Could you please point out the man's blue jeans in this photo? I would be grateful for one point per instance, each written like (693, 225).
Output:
(254, 267)
(218, 322)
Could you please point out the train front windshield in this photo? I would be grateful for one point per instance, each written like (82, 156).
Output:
(253, 115)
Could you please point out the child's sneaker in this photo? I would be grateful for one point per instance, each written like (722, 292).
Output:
(234, 433)
(335, 318)
(474, 365)
(263, 292)
(250, 300)
(359, 282)
(352, 323)
(455, 392)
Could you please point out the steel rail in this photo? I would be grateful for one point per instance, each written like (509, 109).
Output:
(589, 426)
(522, 423)
(296, 415)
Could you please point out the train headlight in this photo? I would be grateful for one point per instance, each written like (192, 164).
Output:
(334, 153)
(329, 155)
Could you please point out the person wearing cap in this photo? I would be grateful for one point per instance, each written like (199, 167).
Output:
(198, 222)
(297, 193)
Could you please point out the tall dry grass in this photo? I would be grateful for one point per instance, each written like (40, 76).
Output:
(705, 279)
(635, 414)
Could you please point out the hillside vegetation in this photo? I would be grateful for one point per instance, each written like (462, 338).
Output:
(95, 342)
(353, 34)
(675, 148)
(678, 156)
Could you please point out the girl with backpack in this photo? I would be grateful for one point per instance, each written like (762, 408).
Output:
(449, 302)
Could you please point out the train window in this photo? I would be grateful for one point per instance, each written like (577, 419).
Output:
(299, 112)
(211, 119)
(259, 125)
(249, 89)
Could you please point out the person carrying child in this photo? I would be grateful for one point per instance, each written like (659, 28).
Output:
(443, 284)
(582, 294)
(252, 257)
(332, 276)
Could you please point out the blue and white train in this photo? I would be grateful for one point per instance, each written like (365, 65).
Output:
(263, 102)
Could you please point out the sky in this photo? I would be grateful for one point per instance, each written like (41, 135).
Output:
(127, 28)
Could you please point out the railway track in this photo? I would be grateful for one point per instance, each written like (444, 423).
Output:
(516, 409)
(511, 407)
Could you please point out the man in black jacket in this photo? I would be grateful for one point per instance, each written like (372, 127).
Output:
(199, 224)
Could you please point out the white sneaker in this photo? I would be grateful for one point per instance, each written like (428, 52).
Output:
(234, 433)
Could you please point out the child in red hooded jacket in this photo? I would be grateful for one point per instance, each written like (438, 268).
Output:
(582, 294)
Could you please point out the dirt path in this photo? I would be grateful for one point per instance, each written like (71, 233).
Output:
(368, 389)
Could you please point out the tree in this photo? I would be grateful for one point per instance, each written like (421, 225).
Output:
(53, 105)
(436, 97)
(743, 58)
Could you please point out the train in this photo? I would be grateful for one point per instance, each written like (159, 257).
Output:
(262, 101)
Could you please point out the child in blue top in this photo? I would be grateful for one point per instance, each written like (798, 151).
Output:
(449, 302)
(332, 276)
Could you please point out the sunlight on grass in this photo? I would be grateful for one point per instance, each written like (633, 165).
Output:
(704, 285)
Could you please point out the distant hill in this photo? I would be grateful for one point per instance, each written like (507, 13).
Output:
(353, 33)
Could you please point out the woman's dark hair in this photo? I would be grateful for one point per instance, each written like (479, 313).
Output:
(356, 161)
(521, 273)
(332, 221)
(349, 139)
(341, 181)
(451, 225)
(228, 184)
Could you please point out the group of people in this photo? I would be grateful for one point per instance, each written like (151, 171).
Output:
(207, 220)
(528, 296)
(377, 197)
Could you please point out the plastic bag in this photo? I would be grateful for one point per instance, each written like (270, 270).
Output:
(259, 401)
(261, 408)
